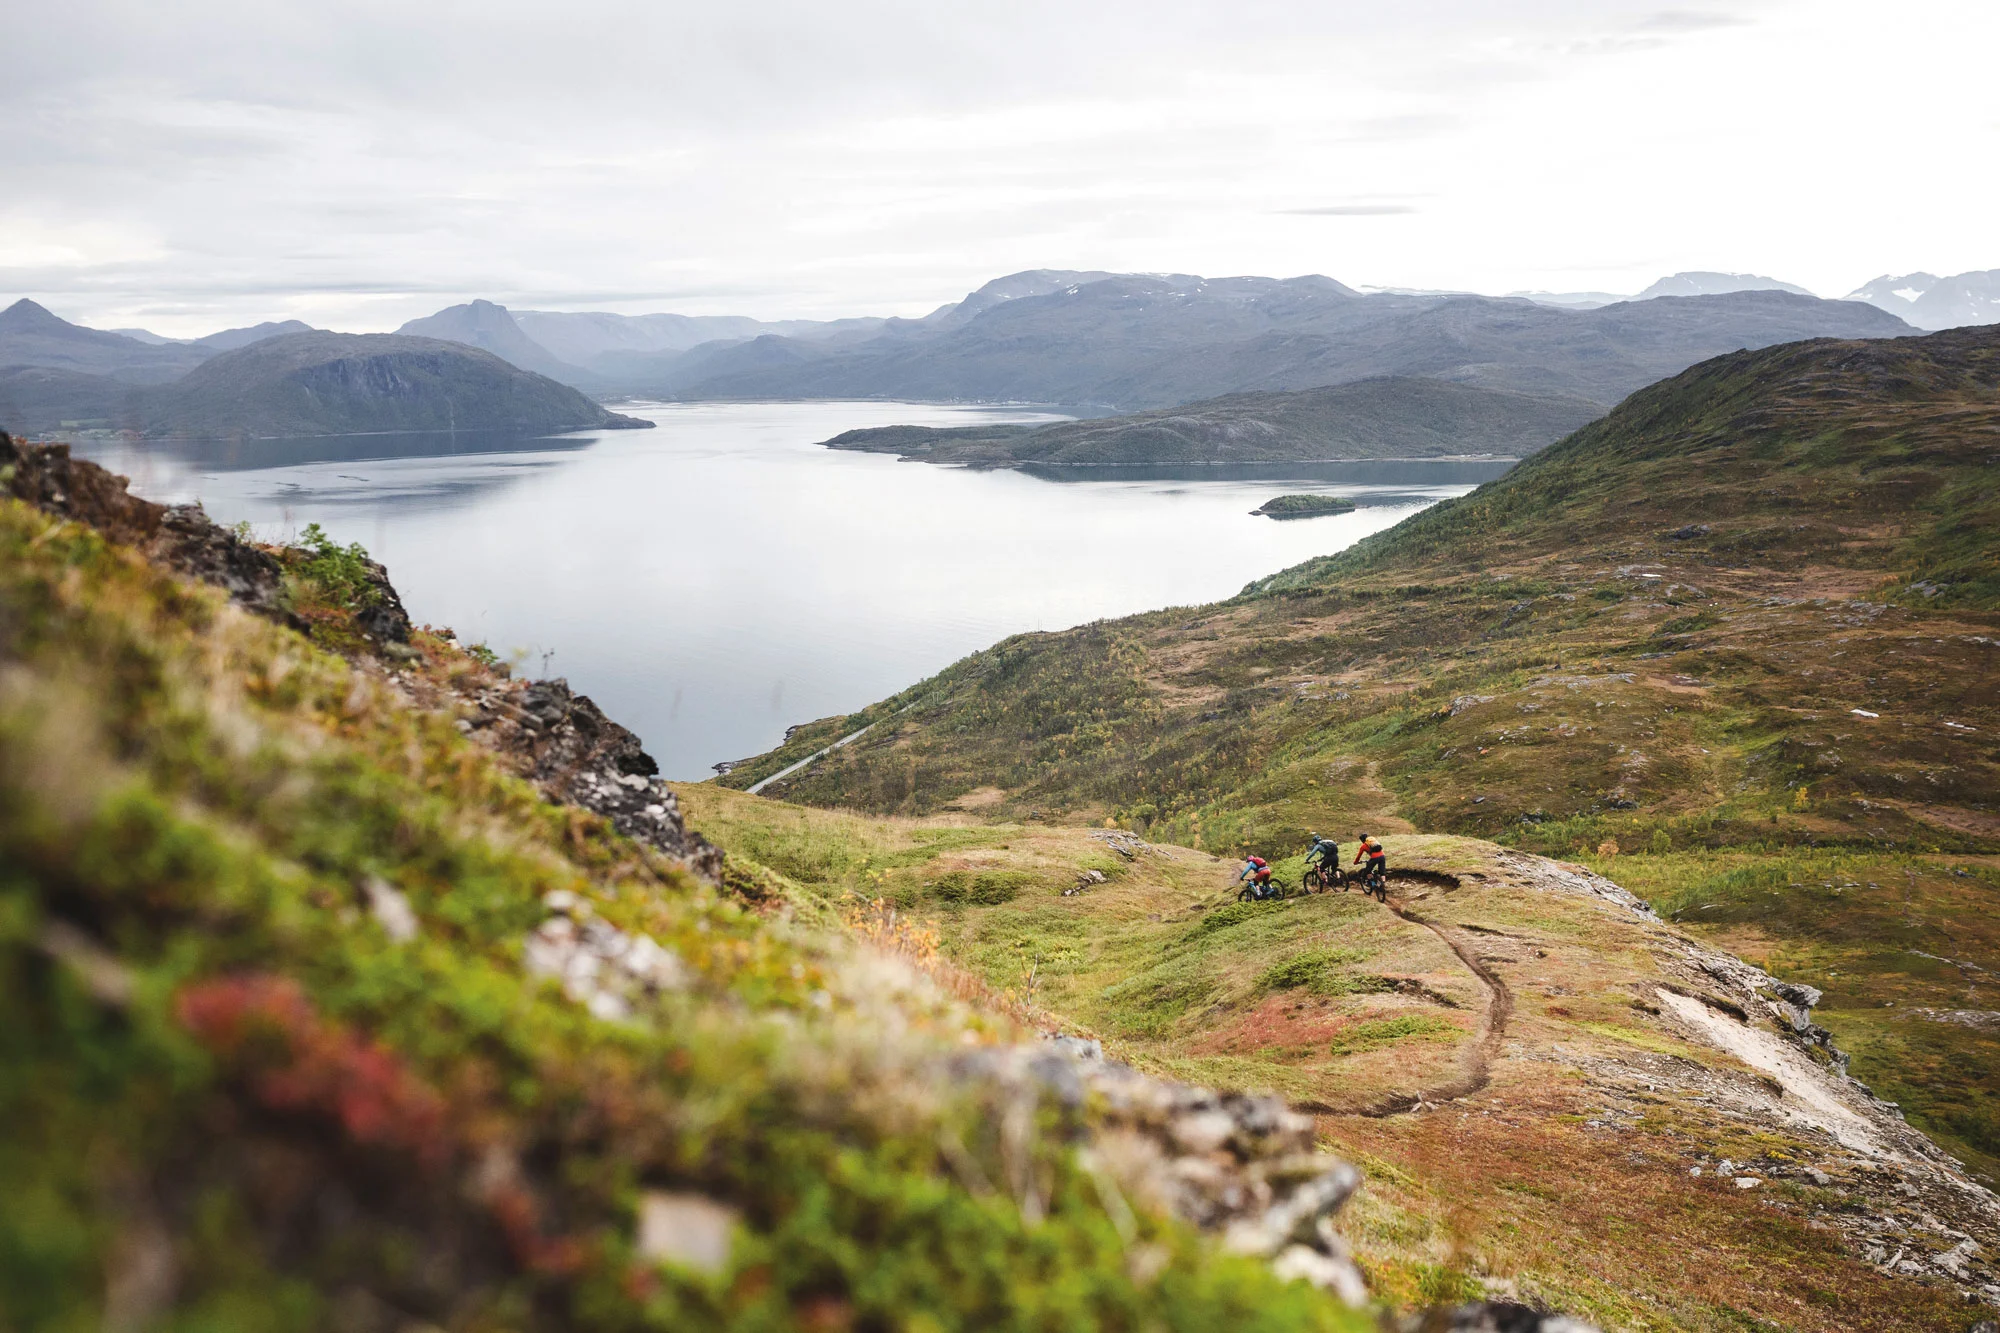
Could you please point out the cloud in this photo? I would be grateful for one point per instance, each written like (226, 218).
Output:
(1348, 210)
(1687, 20)
(355, 165)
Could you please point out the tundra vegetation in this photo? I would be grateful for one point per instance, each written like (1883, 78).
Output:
(274, 1057)
(1733, 645)
(269, 894)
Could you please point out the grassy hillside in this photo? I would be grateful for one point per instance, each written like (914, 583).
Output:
(320, 1014)
(1737, 641)
(1497, 1047)
(1377, 418)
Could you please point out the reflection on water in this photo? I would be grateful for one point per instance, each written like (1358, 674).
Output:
(1366, 472)
(716, 579)
(239, 455)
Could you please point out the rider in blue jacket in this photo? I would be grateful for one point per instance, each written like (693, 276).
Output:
(1322, 851)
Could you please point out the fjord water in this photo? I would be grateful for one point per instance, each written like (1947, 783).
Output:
(713, 580)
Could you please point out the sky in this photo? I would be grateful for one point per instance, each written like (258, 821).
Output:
(212, 163)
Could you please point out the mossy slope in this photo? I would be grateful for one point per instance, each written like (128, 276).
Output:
(1746, 626)
(272, 1058)
(1563, 1177)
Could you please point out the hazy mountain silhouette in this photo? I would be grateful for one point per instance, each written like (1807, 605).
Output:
(1716, 284)
(230, 339)
(352, 383)
(661, 353)
(1931, 302)
(310, 384)
(31, 336)
(491, 328)
(580, 339)
(1147, 341)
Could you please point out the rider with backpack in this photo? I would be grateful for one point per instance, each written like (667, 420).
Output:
(1258, 871)
(1378, 863)
(1323, 854)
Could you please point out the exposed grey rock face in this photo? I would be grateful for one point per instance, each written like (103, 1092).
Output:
(563, 742)
(556, 738)
(1243, 1167)
(603, 968)
(181, 537)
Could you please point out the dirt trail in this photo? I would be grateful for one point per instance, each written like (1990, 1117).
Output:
(1477, 1056)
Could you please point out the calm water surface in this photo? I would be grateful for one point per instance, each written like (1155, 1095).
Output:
(716, 579)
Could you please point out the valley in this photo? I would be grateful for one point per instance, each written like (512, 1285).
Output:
(1731, 647)
(1676, 735)
(1552, 1092)
(1111, 668)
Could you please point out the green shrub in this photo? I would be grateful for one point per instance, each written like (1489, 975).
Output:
(1377, 1033)
(979, 888)
(1314, 970)
(1229, 914)
(340, 574)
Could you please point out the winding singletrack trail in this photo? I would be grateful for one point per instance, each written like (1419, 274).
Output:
(1476, 1057)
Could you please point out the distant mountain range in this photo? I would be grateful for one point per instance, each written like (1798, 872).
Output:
(1085, 338)
(1139, 342)
(31, 336)
(1692, 283)
(1368, 419)
(1931, 302)
(274, 380)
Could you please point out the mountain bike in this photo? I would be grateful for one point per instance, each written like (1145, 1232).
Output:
(1374, 880)
(1322, 876)
(1273, 891)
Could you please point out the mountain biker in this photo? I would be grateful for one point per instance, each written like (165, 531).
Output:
(1323, 852)
(1258, 871)
(1371, 851)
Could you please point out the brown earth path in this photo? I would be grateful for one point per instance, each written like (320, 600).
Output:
(1477, 1056)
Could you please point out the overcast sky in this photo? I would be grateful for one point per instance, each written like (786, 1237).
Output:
(205, 163)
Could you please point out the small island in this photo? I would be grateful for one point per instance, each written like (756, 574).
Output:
(1305, 506)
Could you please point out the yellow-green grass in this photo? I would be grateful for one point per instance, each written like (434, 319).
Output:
(226, 1060)
(1508, 1189)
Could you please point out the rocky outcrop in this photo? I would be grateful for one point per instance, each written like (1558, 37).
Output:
(557, 739)
(180, 537)
(564, 744)
(1243, 1167)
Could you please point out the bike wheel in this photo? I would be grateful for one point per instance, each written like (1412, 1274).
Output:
(1244, 896)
